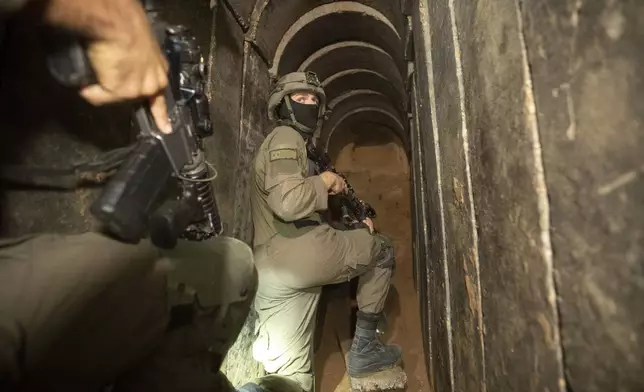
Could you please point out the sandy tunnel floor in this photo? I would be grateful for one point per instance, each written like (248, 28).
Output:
(380, 175)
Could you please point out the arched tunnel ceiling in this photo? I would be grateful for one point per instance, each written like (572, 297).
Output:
(350, 94)
(272, 19)
(355, 48)
(320, 27)
(363, 79)
(340, 56)
(357, 98)
(357, 118)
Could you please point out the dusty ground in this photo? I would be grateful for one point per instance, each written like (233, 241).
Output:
(380, 176)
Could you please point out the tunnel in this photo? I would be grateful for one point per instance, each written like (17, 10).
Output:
(500, 142)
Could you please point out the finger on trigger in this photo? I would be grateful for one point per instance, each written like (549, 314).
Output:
(160, 113)
(97, 95)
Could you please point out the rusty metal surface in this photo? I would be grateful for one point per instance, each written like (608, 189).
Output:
(587, 61)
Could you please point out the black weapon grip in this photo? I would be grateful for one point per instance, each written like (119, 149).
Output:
(172, 219)
(67, 61)
(126, 201)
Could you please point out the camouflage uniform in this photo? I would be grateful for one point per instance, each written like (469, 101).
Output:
(296, 252)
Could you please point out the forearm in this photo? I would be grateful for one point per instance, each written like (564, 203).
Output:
(8, 6)
(98, 19)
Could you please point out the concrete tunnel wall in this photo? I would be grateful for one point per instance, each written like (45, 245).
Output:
(527, 149)
(527, 187)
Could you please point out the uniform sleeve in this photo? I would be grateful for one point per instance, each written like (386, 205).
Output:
(290, 195)
(7, 6)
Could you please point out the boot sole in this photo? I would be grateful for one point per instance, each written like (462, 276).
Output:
(364, 375)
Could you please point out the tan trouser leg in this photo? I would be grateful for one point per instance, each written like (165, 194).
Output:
(326, 256)
(286, 328)
(78, 310)
(291, 273)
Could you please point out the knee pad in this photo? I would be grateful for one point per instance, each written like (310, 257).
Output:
(385, 257)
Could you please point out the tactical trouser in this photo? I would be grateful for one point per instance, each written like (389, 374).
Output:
(78, 312)
(291, 272)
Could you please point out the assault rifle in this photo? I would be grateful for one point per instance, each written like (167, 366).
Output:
(134, 201)
(351, 208)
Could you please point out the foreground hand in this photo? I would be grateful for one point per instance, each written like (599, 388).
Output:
(334, 183)
(123, 51)
(126, 73)
(369, 224)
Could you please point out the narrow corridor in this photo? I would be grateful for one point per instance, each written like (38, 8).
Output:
(379, 172)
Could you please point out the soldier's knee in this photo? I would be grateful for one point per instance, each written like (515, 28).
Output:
(385, 257)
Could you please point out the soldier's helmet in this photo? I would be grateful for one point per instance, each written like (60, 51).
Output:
(282, 109)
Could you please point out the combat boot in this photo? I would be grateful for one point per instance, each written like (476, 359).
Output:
(250, 387)
(368, 355)
(271, 383)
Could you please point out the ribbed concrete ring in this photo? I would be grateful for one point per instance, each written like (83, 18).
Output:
(350, 94)
(352, 54)
(325, 10)
(353, 112)
(386, 87)
(356, 98)
(369, 101)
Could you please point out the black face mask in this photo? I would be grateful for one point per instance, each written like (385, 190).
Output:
(306, 115)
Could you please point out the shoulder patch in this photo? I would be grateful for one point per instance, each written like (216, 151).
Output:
(283, 153)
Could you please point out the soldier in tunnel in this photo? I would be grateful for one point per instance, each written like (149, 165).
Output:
(297, 252)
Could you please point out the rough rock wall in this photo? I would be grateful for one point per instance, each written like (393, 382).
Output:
(528, 122)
